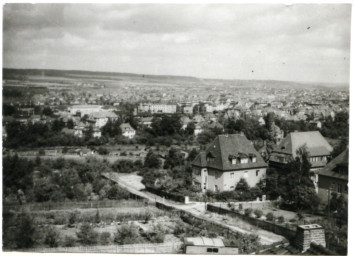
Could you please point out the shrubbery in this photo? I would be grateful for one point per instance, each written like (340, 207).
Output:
(270, 216)
(258, 213)
(87, 235)
(248, 211)
(280, 219)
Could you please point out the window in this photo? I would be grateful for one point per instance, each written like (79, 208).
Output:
(209, 249)
(233, 161)
(215, 250)
(232, 175)
(339, 188)
(244, 161)
(257, 172)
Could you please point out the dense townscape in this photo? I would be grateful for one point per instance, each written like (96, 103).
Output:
(128, 163)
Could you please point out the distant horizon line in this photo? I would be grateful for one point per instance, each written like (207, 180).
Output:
(342, 84)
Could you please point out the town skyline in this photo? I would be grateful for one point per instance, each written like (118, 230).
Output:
(203, 40)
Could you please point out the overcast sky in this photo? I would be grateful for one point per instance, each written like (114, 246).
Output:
(296, 43)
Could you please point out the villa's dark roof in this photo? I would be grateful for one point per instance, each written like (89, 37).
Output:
(225, 145)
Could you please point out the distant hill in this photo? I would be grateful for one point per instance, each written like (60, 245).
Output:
(10, 73)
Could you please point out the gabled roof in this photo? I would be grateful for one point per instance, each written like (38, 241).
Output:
(225, 145)
(340, 161)
(316, 144)
(126, 127)
(103, 114)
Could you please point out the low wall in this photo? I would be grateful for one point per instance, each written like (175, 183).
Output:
(272, 227)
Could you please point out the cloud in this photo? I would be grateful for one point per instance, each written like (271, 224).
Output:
(210, 40)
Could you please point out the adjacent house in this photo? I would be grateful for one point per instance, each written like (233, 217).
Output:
(146, 121)
(225, 161)
(127, 130)
(334, 177)
(101, 118)
(319, 150)
(85, 109)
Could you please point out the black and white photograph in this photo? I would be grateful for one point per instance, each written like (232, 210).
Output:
(175, 128)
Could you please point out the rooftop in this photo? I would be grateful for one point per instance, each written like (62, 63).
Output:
(204, 241)
(225, 145)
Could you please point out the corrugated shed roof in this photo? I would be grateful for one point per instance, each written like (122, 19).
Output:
(204, 241)
(224, 146)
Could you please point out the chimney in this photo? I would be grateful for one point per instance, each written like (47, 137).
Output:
(307, 234)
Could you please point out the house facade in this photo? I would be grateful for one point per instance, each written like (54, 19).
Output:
(334, 177)
(127, 130)
(319, 151)
(157, 108)
(225, 161)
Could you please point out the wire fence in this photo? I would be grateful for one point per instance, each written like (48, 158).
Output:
(46, 206)
(128, 248)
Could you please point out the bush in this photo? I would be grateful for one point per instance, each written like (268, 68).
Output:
(248, 211)
(258, 213)
(240, 207)
(127, 234)
(270, 216)
(69, 241)
(52, 237)
(105, 238)
(281, 219)
(73, 218)
(102, 151)
(87, 235)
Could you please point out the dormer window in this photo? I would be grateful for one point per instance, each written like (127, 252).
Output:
(252, 158)
(233, 159)
(244, 160)
(210, 157)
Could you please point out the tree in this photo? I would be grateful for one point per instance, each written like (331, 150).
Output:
(25, 232)
(242, 185)
(297, 188)
(57, 125)
(17, 174)
(174, 158)
(70, 124)
(206, 137)
(47, 111)
(152, 160)
(193, 154)
(190, 128)
(87, 235)
(111, 129)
